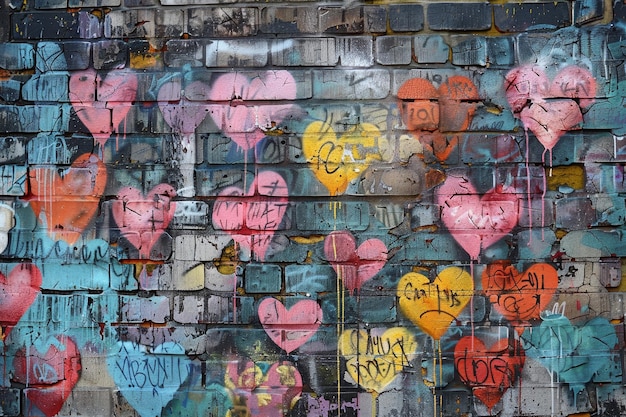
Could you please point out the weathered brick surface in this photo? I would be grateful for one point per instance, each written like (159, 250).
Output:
(299, 208)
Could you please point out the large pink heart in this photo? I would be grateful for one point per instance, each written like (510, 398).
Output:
(187, 114)
(549, 109)
(51, 376)
(17, 293)
(102, 104)
(256, 213)
(476, 222)
(243, 114)
(290, 329)
(265, 394)
(143, 219)
(353, 265)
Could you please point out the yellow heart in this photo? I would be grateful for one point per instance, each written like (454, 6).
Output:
(433, 305)
(375, 358)
(337, 161)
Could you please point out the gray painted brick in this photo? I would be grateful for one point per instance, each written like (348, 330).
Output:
(522, 16)
(143, 23)
(55, 25)
(351, 85)
(431, 49)
(10, 401)
(303, 52)
(355, 51)
(289, 20)
(406, 17)
(237, 53)
(180, 52)
(459, 16)
(328, 215)
(110, 54)
(469, 50)
(222, 21)
(342, 20)
(393, 50)
(375, 19)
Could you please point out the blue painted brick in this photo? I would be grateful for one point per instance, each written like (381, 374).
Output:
(431, 49)
(55, 25)
(470, 50)
(519, 17)
(500, 51)
(262, 278)
(332, 215)
(309, 279)
(459, 16)
(588, 10)
(10, 90)
(406, 17)
(10, 401)
(47, 87)
(17, 56)
(60, 56)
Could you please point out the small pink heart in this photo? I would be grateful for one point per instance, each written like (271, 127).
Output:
(102, 104)
(354, 266)
(256, 213)
(549, 109)
(142, 220)
(185, 115)
(243, 116)
(290, 329)
(17, 293)
(476, 222)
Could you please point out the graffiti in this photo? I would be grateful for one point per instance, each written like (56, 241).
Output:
(18, 290)
(148, 378)
(54, 373)
(293, 327)
(434, 305)
(375, 358)
(354, 266)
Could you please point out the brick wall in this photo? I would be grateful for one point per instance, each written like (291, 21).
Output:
(226, 208)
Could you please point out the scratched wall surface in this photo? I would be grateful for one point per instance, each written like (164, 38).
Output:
(312, 209)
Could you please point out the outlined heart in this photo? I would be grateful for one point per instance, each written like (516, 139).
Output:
(574, 353)
(476, 222)
(143, 219)
(428, 111)
(520, 296)
(254, 216)
(102, 104)
(17, 292)
(68, 198)
(245, 112)
(376, 357)
(354, 266)
(267, 390)
(488, 371)
(338, 160)
(148, 378)
(185, 115)
(49, 376)
(290, 328)
(432, 306)
(550, 109)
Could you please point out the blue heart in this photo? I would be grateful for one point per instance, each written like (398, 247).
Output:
(575, 354)
(148, 379)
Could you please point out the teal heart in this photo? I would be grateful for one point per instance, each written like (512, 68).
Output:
(575, 354)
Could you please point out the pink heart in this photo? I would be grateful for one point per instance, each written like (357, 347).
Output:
(142, 220)
(99, 102)
(52, 375)
(243, 116)
(17, 293)
(187, 114)
(257, 213)
(268, 394)
(549, 109)
(353, 265)
(290, 329)
(476, 222)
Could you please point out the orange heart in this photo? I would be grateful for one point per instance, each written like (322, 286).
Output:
(69, 199)
(433, 305)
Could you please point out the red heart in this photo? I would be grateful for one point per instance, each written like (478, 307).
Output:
(17, 293)
(69, 199)
(290, 329)
(476, 222)
(49, 377)
(142, 220)
(257, 213)
(549, 109)
(353, 265)
(243, 116)
(520, 296)
(427, 112)
(102, 104)
(265, 394)
(488, 371)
